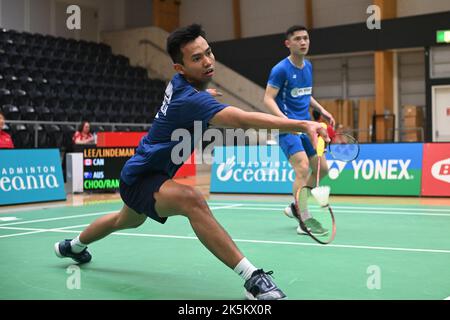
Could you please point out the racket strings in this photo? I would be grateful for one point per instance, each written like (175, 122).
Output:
(344, 147)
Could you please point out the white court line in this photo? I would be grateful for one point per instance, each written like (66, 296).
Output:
(338, 210)
(89, 215)
(59, 218)
(281, 206)
(230, 207)
(37, 230)
(448, 298)
(63, 230)
(5, 219)
(34, 208)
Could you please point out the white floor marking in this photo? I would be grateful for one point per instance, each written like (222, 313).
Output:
(65, 230)
(9, 219)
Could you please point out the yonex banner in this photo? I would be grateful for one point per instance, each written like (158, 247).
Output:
(380, 169)
(30, 176)
(436, 169)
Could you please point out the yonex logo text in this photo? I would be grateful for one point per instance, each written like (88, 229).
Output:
(393, 169)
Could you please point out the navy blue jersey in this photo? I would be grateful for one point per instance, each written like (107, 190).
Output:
(295, 88)
(182, 105)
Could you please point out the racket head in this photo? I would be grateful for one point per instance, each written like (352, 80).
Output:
(322, 215)
(343, 147)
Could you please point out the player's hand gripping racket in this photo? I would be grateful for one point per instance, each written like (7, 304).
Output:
(319, 223)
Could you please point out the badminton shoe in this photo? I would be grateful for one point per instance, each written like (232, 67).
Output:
(261, 287)
(312, 224)
(289, 210)
(314, 227)
(63, 249)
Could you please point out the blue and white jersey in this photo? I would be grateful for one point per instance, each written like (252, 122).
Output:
(295, 88)
(183, 104)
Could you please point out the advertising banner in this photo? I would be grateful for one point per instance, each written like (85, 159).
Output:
(436, 169)
(30, 176)
(251, 169)
(380, 169)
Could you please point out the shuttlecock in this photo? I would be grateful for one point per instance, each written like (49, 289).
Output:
(321, 194)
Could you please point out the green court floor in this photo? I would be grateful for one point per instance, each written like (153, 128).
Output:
(380, 252)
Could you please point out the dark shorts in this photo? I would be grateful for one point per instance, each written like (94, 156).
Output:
(293, 143)
(139, 196)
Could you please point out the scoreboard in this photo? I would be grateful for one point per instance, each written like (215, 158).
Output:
(102, 163)
(102, 167)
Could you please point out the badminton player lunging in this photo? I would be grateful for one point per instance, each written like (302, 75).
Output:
(146, 184)
(289, 95)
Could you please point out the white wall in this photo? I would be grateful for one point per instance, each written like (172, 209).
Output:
(13, 14)
(259, 17)
(417, 7)
(329, 13)
(111, 12)
(262, 17)
(215, 16)
(38, 16)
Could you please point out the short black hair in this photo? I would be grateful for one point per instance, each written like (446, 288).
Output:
(291, 30)
(180, 37)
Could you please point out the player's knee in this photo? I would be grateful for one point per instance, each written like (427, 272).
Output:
(121, 222)
(193, 201)
(301, 168)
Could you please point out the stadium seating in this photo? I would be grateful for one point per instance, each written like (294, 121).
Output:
(46, 78)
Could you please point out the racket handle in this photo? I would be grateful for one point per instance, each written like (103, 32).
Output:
(321, 142)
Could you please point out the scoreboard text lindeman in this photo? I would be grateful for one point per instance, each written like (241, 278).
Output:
(108, 152)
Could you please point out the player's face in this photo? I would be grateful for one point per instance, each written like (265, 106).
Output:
(298, 43)
(198, 62)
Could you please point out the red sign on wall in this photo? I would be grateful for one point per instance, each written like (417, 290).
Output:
(132, 139)
(436, 169)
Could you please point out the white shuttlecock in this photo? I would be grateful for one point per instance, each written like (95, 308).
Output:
(321, 194)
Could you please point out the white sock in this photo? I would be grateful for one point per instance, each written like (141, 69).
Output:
(245, 269)
(305, 214)
(77, 245)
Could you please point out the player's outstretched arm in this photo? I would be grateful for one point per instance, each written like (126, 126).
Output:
(236, 118)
